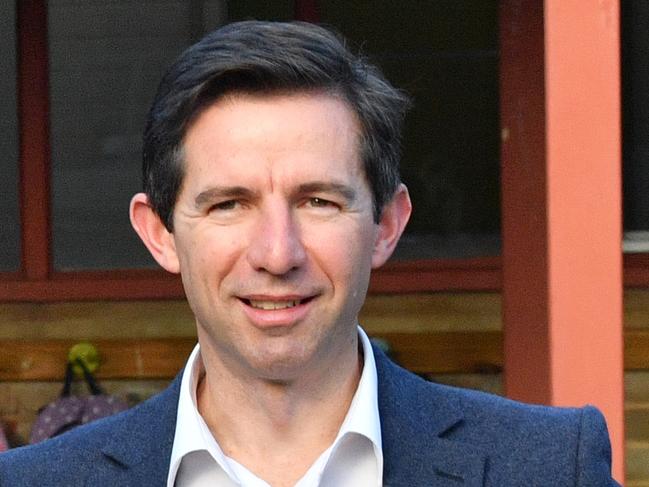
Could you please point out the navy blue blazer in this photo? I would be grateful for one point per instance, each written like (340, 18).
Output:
(433, 435)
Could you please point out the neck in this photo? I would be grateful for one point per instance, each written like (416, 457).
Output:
(277, 429)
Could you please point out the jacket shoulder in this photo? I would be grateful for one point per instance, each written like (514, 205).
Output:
(521, 443)
(572, 442)
(62, 460)
(141, 435)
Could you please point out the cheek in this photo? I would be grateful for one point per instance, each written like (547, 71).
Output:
(344, 252)
(210, 253)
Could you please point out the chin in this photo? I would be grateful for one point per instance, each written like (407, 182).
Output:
(282, 364)
(280, 371)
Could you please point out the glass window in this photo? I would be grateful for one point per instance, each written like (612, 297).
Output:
(279, 10)
(106, 59)
(444, 54)
(635, 124)
(9, 202)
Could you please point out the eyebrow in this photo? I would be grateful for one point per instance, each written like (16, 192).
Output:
(344, 190)
(226, 192)
(221, 192)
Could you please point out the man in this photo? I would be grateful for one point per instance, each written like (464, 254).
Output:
(271, 185)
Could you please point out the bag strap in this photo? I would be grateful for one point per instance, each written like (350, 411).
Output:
(67, 381)
(90, 379)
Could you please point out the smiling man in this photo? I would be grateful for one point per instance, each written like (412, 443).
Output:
(272, 187)
(275, 236)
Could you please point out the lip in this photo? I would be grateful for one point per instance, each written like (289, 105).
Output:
(281, 317)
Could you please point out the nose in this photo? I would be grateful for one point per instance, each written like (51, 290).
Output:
(276, 244)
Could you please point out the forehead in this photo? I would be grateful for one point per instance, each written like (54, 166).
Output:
(299, 132)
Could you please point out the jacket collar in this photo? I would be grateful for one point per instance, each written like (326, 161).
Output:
(415, 418)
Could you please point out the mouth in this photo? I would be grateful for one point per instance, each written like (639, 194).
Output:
(275, 304)
(277, 312)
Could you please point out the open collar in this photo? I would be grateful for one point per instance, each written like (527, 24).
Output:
(415, 418)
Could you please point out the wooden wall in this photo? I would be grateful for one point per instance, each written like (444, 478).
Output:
(454, 338)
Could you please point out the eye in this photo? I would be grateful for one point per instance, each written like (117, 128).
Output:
(317, 202)
(225, 205)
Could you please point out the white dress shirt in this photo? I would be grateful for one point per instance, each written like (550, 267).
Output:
(354, 459)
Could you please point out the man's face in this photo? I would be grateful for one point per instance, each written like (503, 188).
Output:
(273, 231)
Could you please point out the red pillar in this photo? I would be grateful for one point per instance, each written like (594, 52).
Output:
(562, 216)
(33, 113)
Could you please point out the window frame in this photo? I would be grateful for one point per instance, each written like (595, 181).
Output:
(36, 280)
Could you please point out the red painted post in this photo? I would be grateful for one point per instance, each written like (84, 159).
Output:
(562, 215)
(33, 116)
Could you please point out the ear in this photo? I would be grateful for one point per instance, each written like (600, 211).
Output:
(153, 233)
(393, 221)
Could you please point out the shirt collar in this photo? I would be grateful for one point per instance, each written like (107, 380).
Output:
(363, 415)
(192, 433)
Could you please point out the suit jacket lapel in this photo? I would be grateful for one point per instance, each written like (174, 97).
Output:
(140, 450)
(415, 417)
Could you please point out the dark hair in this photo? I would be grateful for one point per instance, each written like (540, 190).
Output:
(270, 57)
